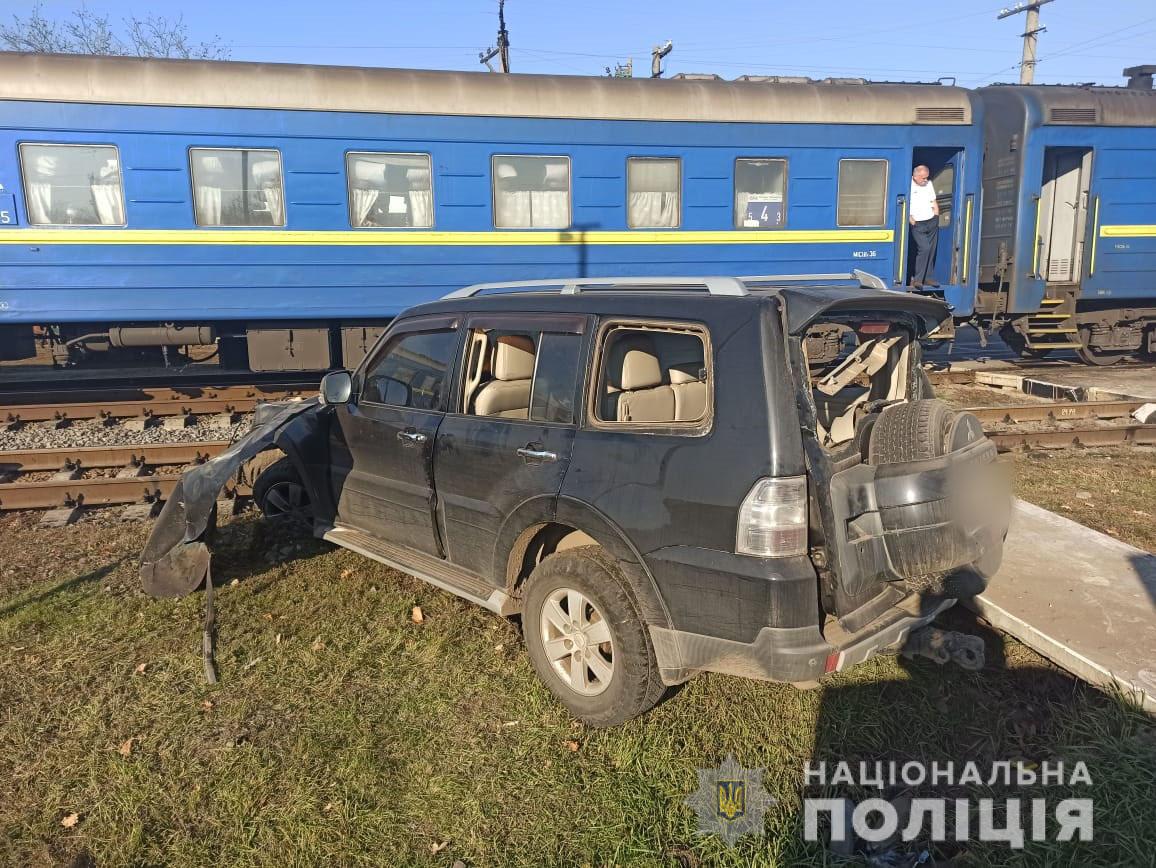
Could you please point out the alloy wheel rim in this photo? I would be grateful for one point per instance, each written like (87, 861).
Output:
(287, 499)
(577, 641)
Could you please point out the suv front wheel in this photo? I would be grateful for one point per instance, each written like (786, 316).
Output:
(586, 638)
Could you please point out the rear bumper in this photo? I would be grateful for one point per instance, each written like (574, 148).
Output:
(788, 653)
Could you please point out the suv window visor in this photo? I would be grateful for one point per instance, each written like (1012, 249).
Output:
(574, 324)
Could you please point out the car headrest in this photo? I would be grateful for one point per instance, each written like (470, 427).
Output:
(514, 358)
(640, 370)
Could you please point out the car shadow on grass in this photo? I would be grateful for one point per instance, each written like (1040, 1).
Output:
(1018, 711)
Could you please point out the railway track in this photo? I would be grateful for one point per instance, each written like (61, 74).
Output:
(145, 404)
(1062, 424)
(73, 478)
(134, 479)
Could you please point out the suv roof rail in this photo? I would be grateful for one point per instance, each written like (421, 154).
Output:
(732, 286)
(862, 278)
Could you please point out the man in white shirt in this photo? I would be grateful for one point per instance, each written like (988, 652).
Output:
(924, 218)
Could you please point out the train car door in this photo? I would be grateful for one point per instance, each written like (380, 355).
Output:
(1063, 216)
(945, 165)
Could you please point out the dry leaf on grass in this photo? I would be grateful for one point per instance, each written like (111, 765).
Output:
(346, 573)
(416, 615)
(437, 846)
(207, 705)
(68, 821)
(572, 745)
(125, 748)
(318, 645)
(140, 669)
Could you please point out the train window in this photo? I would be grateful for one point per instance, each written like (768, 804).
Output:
(389, 191)
(74, 185)
(652, 185)
(237, 187)
(531, 192)
(760, 194)
(944, 184)
(862, 193)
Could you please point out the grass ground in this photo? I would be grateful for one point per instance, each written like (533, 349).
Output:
(344, 733)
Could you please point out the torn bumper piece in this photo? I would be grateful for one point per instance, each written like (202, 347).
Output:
(791, 654)
(176, 558)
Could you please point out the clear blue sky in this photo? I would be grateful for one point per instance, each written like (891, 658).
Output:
(1086, 40)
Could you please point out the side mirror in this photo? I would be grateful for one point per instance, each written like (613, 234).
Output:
(336, 388)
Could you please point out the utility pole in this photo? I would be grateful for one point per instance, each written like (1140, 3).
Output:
(656, 55)
(1033, 29)
(502, 52)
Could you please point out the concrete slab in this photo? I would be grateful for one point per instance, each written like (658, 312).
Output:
(1132, 381)
(1082, 599)
(61, 517)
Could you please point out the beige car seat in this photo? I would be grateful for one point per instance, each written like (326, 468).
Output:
(644, 398)
(689, 393)
(508, 394)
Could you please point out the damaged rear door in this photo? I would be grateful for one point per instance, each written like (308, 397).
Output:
(906, 489)
(383, 441)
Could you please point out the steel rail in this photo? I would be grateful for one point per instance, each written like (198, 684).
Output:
(90, 492)
(1058, 411)
(148, 402)
(1117, 435)
(80, 458)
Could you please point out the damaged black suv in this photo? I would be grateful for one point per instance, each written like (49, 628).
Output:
(660, 476)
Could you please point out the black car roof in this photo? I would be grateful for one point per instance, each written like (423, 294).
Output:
(804, 303)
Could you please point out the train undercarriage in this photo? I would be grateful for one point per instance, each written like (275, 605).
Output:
(262, 347)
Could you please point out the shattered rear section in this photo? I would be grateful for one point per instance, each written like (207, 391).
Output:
(176, 559)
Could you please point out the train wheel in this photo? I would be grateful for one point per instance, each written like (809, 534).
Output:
(1100, 358)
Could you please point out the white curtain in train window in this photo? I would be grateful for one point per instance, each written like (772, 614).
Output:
(654, 200)
(531, 192)
(39, 188)
(237, 187)
(108, 195)
(266, 175)
(208, 178)
(77, 185)
(389, 190)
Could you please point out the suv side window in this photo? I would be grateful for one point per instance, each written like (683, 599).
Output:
(412, 370)
(516, 374)
(653, 375)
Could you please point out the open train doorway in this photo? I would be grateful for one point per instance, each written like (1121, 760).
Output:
(945, 166)
(1063, 217)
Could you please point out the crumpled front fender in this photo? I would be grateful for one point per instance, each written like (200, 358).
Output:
(176, 558)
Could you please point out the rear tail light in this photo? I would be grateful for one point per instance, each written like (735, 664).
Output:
(773, 519)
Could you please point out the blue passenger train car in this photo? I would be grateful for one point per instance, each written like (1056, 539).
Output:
(286, 212)
(1068, 252)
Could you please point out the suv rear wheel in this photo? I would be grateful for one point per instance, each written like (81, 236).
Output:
(586, 638)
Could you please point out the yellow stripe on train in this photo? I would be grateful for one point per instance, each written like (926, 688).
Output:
(407, 237)
(1137, 230)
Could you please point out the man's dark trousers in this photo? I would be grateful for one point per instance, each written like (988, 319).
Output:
(925, 237)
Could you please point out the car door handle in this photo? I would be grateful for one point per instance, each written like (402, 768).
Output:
(537, 456)
(411, 436)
